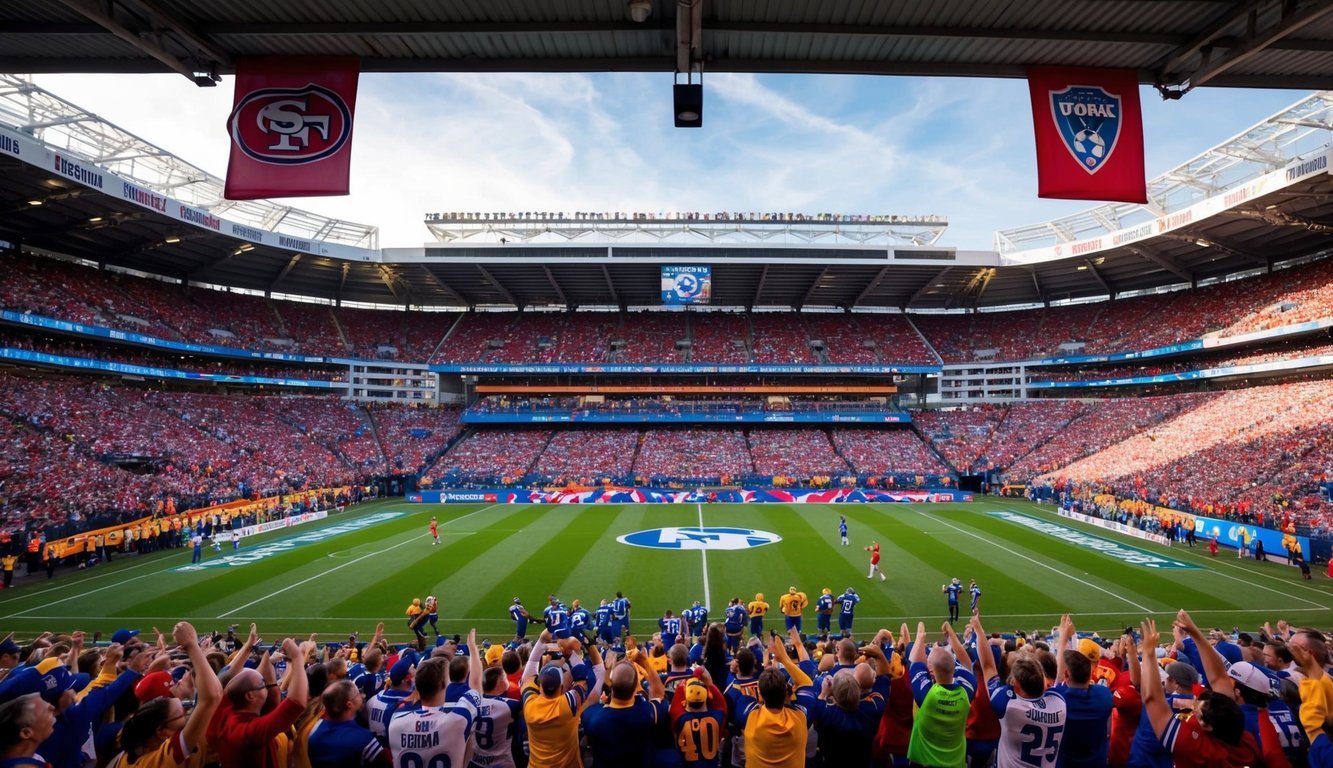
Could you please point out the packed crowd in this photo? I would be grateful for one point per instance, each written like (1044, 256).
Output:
(95, 351)
(167, 310)
(1285, 297)
(1257, 446)
(795, 453)
(716, 455)
(587, 457)
(674, 405)
(876, 452)
(68, 443)
(693, 695)
(1294, 350)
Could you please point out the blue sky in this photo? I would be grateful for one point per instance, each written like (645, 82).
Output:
(507, 142)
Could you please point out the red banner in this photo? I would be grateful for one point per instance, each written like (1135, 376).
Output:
(291, 127)
(1089, 133)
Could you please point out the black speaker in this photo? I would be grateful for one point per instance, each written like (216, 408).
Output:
(689, 102)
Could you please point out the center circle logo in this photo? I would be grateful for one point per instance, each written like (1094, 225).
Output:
(699, 538)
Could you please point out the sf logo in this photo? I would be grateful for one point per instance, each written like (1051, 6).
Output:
(288, 120)
(290, 126)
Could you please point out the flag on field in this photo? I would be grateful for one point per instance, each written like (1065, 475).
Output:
(1089, 133)
(291, 127)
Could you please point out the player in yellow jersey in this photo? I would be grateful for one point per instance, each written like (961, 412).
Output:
(791, 605)
(756, 610)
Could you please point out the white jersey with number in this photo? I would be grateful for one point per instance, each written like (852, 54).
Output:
(1030, 729)
(493, 732)
(434, 737)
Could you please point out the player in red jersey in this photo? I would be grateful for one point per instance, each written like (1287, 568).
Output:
(873, 549)
(434, 531)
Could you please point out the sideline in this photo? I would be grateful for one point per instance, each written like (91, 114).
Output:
(1037, 562)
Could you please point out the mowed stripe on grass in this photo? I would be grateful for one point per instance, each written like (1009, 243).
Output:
(492, 553)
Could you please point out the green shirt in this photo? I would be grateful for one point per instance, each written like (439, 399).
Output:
(937, 731)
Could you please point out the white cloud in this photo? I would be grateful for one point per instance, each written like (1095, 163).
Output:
(502, 142)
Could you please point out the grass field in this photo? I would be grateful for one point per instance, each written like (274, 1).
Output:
(371, 561)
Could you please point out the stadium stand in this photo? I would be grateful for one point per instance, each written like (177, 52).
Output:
(650, 337)
(490, 456)
(794, 453)
(692, 456)
(588, 457)
(873, 453)
(720, 337)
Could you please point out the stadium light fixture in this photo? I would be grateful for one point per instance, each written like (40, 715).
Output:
(35, 202)
(173, 239)
(1203, 243)
(639, 10)
(688, 99)
(94, 219)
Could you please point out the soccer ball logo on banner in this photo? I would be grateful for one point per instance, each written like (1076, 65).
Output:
(1088, 120)
(290, 125)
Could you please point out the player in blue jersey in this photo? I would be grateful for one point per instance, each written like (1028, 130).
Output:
(521, 617)
(848, 601)
(604, 622)
(824, 612)
(620, 608)
(953, 589)
(975, 591)
(556, 617)
(580, 622)
(842, 529)
(696, 619)
(670, 625)
(734, 623)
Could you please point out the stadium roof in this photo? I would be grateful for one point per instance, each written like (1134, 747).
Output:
(1177, 45)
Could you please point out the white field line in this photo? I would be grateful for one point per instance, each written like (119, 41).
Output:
(708, 598)
(344, 565)
(1223, 561)
(1036, 562)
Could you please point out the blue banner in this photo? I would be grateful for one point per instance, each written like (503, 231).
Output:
(38, 321)
(1205, 373)
(1170, 349)
(108, 366)
(1228, 535)
(699, 417)
(687, 284)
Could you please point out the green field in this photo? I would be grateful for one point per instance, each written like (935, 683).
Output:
(383, 557)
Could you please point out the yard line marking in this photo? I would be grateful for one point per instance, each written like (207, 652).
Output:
(344, 565)
(1199, 556)
(80, 582)
(1034, 561)
(321, 575)
(708, 600)
(121, 571)
(84, 594)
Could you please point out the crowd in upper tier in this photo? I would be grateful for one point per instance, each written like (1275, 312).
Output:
(168, 311)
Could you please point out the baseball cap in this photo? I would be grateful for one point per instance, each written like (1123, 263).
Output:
(1090, 648)
(1182, 673)
(696, 692)
(123, 636)
(9, 646)
(1250, 676)
(551, 678)
(55, 678)
(153, 685)
(402, 668)
(20, 682)
(494, 654)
